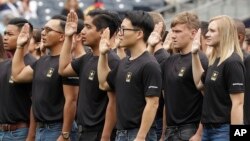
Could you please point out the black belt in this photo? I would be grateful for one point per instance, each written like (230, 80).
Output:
(46, 125)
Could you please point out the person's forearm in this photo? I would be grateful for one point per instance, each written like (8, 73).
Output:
(110, 117)
(148, 117)
(32, 127)
(237, 114)
(69, 113)
(18, 62)
(150, 49)
(103, 70)
(164, 124)
(65, 55)
(197, 69)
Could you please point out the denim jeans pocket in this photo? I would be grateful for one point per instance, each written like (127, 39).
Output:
(19, 134)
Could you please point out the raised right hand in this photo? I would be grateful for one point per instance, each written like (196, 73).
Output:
(24, 35)
(104, 45)
(196, 42)
(71, 23)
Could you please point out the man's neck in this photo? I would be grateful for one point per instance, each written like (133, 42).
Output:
(55, 50)
(187, 49)
(137, 50)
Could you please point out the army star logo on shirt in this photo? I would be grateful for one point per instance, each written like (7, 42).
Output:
(214, 75)
(182, 71)
(50, 72)
(128, 77)
(91, 75)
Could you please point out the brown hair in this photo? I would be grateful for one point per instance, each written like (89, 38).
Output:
(188, 18)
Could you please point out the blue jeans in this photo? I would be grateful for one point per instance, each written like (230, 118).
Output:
(130, 135)
(50, 132)
(158, 129)
(220, 133)
(180, 133)
(17, 135)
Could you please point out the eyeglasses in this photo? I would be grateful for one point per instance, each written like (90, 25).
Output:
(48, 29)
(121, 30)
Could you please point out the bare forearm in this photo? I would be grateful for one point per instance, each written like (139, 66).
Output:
(69, 113)
(197, 69)
(237, 114)
(32, 127)
(65, 56)
(110, 117)
(103, 70)
(18, 62)
(148, 117)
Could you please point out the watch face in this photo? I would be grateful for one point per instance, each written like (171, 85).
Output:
(65, 135)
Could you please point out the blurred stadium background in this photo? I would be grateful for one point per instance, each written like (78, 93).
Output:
(168, 8)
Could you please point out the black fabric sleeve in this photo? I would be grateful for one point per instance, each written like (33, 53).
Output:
(77, 64)
(33, 66)
(111, 78)
(152, 79)
(72, 81)
(161, 55)
(234, 76)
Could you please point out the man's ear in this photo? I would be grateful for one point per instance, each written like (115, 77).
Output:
(61, 38)
(193, 33)
(140, 34)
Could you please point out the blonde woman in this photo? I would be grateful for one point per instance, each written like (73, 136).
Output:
(223, 80)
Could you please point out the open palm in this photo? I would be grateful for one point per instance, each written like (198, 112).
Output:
(71, 24)
(24, 35)
(196, 42)
(155, 36)
(104, 45)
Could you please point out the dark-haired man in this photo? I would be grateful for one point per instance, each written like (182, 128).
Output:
(136, 81)
(15, 101)
(93, 103)
(53, 109)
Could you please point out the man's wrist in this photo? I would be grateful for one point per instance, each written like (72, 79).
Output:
(65, 135)
(20, 47)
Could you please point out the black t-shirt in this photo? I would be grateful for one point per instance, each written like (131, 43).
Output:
(132, 81)
(182, 99)
(161, 55)
(220, 82)
(247, 93)
(92, 101)
(15, 98)
(47, 90)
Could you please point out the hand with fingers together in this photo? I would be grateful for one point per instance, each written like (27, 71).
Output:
(104, 45)
(71, 23)
(196, 42)
(24, 36)
(155, 36)
(168, 41)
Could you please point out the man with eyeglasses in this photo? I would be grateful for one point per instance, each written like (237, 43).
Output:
(53, 110)
(95, 111)
(136, 81)
(15, 101)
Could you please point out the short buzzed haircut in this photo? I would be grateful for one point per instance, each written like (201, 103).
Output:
(62, 19)
(19, 22)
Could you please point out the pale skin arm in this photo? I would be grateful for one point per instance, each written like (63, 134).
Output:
(20, 72)
(103, 68)
(65, 68)
(32, 128)
(237, 108)
(69, 111)
(196, 63)
(148, 117)
(155, 38)
(110, 117)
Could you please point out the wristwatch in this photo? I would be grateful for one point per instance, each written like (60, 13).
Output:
(65, 135)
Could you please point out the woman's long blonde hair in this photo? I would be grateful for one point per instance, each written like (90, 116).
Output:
(229, 42)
